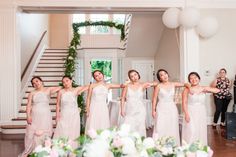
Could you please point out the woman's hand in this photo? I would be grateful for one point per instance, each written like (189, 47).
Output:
(29, 120)
(58, 117)
(187, 118)
(122, 113)
(87, 112)
(154, 114)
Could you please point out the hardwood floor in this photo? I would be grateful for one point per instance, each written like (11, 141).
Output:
(12, 145)
(221, 146)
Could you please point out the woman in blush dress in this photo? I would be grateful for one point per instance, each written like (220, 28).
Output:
(135, 112)
(39, 117)
(195, 122)
(165, 112)
(67, 112)
(96, 104)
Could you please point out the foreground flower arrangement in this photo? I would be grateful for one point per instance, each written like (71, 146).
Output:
(121, 143)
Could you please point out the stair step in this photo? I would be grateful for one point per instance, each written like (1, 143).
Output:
(24, 111)
(52, 97)
(49, 84)
(24, 118)
(13, 126)
(25, 104)
(51, 61)
(49, 69)
(49, 74)
(55, 55)
(53, 58)
(50, 65)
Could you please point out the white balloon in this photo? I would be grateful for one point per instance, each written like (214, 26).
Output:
(207, 27)
(189, 17)
(170, 18)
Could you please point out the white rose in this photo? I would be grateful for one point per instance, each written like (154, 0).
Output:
(148, 143)
(105, 134)
(92, 133)
(124, 130)
(200, 153)
(128, 146)
(97, 148)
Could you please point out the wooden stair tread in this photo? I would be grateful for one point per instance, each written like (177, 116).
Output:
(50, 63)
(24, 118)
(18, 126)
(52, 97)
(48, 71)
(48, 55)
(13, 126)
(24, 104)
(51, 59)
(24, 111)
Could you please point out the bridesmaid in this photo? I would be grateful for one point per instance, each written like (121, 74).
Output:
(39, 117)
(195, 122)
(135, 112)
(96, 104)
(67, 112)
(165, 112)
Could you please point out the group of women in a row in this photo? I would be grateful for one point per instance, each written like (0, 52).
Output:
(132, 109)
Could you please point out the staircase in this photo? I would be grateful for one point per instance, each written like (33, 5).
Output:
(50, 69)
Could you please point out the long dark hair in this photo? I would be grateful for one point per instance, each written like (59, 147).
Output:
(158, 74)
(35, 77)
(97, 71)
(193, 73)
(130, 71)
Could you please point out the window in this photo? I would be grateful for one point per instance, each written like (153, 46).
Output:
(118, 18)
(99, 29)
(79, 18)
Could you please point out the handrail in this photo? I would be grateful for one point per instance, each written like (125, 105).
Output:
(32, 56)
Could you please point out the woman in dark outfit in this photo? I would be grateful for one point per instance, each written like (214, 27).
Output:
(222, 98)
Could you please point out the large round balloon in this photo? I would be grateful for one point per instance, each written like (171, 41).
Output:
(189, 17)
(170, 18)
(207, 27)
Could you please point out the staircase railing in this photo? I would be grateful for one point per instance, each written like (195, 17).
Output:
(33, 62)
(127, 28)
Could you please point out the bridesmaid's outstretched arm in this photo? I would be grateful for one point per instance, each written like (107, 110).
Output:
(114, 86)
(28, 108)
(185, 104)
(81, 89)
(211, 89)
(122, 102)
(54, 89)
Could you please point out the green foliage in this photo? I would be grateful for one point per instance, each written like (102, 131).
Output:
(104, 66)
(70, 60)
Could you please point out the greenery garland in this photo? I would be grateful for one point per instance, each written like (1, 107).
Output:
(70, 60)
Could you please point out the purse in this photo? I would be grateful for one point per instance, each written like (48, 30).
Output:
(228, 97)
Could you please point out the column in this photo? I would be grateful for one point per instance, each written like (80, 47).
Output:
(9, 62)
(189, 52)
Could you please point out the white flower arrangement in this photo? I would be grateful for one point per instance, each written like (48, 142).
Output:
(53, 148)
(123, 143)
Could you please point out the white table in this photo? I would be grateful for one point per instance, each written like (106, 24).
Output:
(115, 117)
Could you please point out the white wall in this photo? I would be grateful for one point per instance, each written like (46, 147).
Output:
(220, 50)
(168, 55)
(32, 27)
